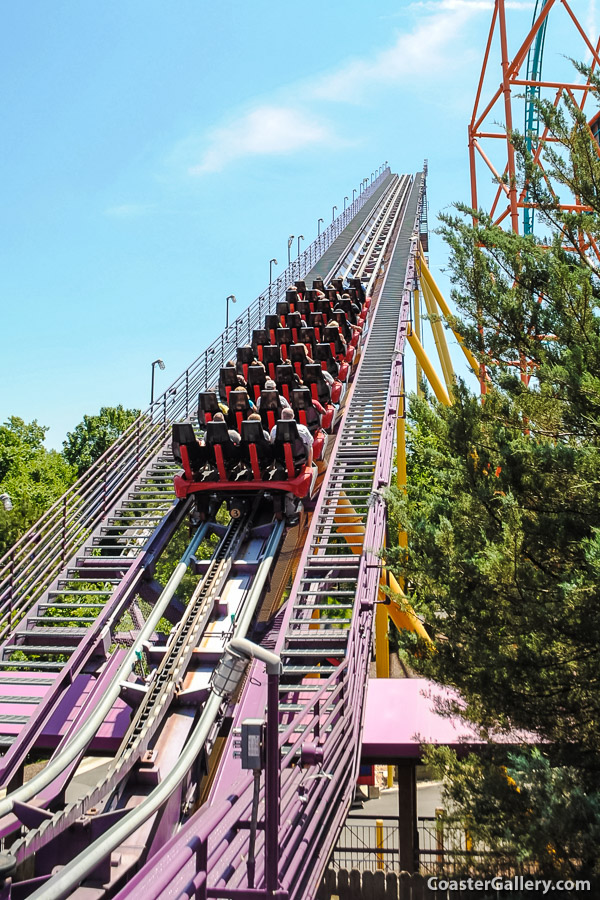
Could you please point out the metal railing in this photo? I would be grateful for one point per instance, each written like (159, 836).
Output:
(314, 798)
(38, 557)
(367, 845)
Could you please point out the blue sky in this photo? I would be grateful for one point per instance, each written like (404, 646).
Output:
(157, 155)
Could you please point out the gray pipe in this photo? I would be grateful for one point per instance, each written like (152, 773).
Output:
(72, 875)
(86, 732)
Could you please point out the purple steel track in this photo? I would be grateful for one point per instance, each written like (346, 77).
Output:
(97, 545)
(325, 660)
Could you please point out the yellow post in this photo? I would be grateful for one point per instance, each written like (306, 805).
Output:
(439, 838)
(432, 376)
(428, 278)
(379, 841)
(401, 476)
(382, 643)
(401, 443)
(417, 315)
(438, 335)
(390, 776)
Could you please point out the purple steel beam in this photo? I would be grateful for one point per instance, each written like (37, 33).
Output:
(215, 825)
(34, 563)
(124, 592)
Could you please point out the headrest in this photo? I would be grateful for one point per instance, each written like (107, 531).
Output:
(271, 353)
(313, 372)
(238, 400)
(217, 433)
(286, 432)
(269, 400)
(322, 352)
(252, 432)
(297, 352)
(183, 432)
(256, 374)
(284, 372)
(301, 398)
(228, 375)
(207, 401)
(260, 336)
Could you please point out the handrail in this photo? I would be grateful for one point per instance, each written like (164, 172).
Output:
(28, 569)
(313, 801)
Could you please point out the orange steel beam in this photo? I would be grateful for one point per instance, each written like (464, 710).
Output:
(512, 78)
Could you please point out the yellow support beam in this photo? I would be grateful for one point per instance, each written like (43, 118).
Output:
(438, 335)
(417, 318)
(403, 617)
(432, 376)
(427, 278)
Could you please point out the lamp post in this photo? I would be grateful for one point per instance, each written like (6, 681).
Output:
(372, 176)
(233, 299)
(300, 238)
(353, 194)
(319, 226)
(237, 653)
(290, 242)
(6, 502)
(333, 212)
(271, 263)
(345, 198)
(161, 365)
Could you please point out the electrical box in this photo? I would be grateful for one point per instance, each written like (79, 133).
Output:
(253, 743)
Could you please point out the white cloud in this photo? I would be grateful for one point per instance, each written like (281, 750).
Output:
(129, 210)
(431, 52)
(268, 130)
(426, 52)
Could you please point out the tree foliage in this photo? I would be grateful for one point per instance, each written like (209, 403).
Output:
(31, 475)
(503, 514)
(95, 434)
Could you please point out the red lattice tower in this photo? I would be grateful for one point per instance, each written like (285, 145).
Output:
(484, 129)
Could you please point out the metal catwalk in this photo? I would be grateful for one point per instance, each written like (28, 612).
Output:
(90, 561)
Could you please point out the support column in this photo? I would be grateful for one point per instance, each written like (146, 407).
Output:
(408, 837)
(417, 317)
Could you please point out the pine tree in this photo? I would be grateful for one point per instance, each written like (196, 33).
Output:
(503, 513)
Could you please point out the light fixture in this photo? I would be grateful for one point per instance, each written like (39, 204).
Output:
(161, 365)
(233, 299)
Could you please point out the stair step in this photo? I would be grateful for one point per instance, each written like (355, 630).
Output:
(37, 648)
(56, 621)
(321, 651)
(48, 605)
(18, 698)
(326, 606)
(309, 670)
(17, 664)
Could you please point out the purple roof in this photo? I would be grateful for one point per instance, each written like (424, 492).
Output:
(401, 717)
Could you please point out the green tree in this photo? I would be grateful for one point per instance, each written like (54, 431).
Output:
(94, 434)
(31, 475)
(503, 515)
